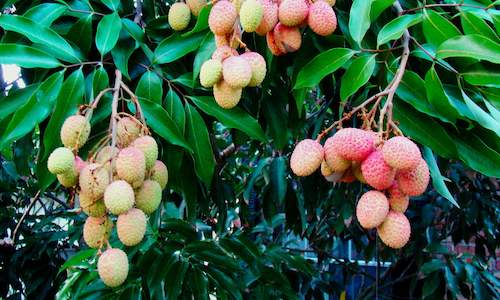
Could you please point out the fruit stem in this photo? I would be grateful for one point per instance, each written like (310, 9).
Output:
(134, 99)
(114, 108)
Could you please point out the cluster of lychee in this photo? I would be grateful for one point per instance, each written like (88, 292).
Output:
(125, 181)
(394, 168)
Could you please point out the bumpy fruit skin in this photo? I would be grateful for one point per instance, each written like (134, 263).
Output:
(325, 169)
(75, 131)
(401, 153)
(292, 12)
(353, 143)
(149, 147)
(196, 6)
(113, 267)
(131, 227)
(376, 172)
(61, 160)
(107, 157)
(398, 200)
(127, 130)
(148, 196)
(119, 197)
(236, 71)
(336, 162)
(179, 16)
(251, 14)
(414, 182)
(68, 179)
(306, 157)
(271, 44)
(287, 39)
(222, 17)
(258, 66)
(269, 17)
(93, 208)
(372, 209)
(321, 18)
(96, 230)
(93, 181)
(395, 231)
(210, 73)
(226, 96)
(159, 173)
(223, 52)
(131, 166)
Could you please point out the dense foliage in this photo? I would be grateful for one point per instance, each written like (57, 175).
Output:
(234, 221)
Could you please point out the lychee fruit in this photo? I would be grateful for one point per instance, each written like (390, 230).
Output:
(306, 157)
(288, 39)
(376, 172)
(75, 131)
(131, 166)
(336, 162)
(225, 95)
(398, 201)
(112, 267)
(330, 2)
(222, 17)
(93, 181)
(353, 143)
(325, 169)
(61, 160)
(107, 157)
(293, 12)
(251, 14)
(196, 6)
(210, 73)
(93, 208)
(119, 197)
(96, 230)
(372, 208)
(395, 231)
(148, 196)
(131, 227)
(179, 16)
(271, 44)
(149, 147)
(414, 182)
(348, 176)
(321, 18)
(236, 72)
(401, 153)
(68, 179)
(258, 66)
(159, 173)
(269, 17)
(356, 170)
(80, 164)
(223, 52)
(127, 130)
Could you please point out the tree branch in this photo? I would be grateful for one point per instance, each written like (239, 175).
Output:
(14, 233)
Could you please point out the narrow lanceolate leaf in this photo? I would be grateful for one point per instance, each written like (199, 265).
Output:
(357, 75)
(359, 19)
(26, 57)
(197, 282)
(45, 14)
(479, 156)
(204, 53)
(15, 99)
(437, 96)
(480, 116)
(121, 54)
(322, 65)
(231, 118)
(112, 4)
(278, 180)
(395, 28)
(175, 109)
(150, 87)
(176, 46)
(134, 30)
(437, 28)
(438, 181)
(473, 46)
(479, 74)
(201, 22)
(108, 32)
(473, 24)
(40, 34)
(197, 136)
(81, 33)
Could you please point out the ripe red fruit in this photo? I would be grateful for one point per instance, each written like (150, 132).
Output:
(222, 17)
(353, 143)
(414, 182)
(401, 153)
(372, 208)
(321, 18)
(376, 172)
(395, 231)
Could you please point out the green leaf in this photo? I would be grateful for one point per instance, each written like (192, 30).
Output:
(278, 179)
(480, 116)
(15, 99)
(431, 283)
(77, 259)
(432, 266)
(438, 98)
(477, 155)
(150, 87)
(81, 33)
(321, 65)
(45, 14)
(112, 4)
(134, 30)
(357, 75)
(395, 28)
(378, 7)
(478, 74)
(204, 53)
(224, 282)
(40, 34)
(438, 181)
(175, 109)
(201, 21)
(175, 277)
(197, 136)
(197, 283)
(175, 46)
(121, 54)
(473, 46)
(108, 32)
(437, 28)
(253, 178)
(26, 57)
(231, 118)
(359, 19)
(473, 24)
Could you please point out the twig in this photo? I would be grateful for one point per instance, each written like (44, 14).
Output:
(114, 108)
(138, 13)
(87, 63)
(434, 59)
(134, 99)
(444, 5)
(14, 233)
(381, 50)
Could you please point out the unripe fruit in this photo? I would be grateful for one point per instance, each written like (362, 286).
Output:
(93, 181)
(223, 52)
(179, 16)
(258, 66)
(113, 267)
(353, 143)
(61, 160)
(288, 39)
(414, 182)
(131, 227)
(325, 169)
(293, 12)
(131, 166)
(149, 147)
(236, 71)
(251, 14)
(401, 153)
(399, 202)
(119, 197)
(321, 18)
(127, 130)
(148, 196)
(75, 131)
(395, 231)
(356, 171)
(159, 173)
(372, 209)
(93, 208)
(225, 95)
(376, 172)
(222, 17)
(96, 230)
(107, 157)
(306, 157)
(196, 6)
(210, 73)
(269, 17)
(335, 161)
(68, 179)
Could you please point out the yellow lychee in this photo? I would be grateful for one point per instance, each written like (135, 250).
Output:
(159, 173)
(258, 65)
(75, 131)
(112, 266)
(148, 196)
(131, 166)
(61, 160)
(149, 147)
(210, 73)
(251, 13)
(131, 227)
(226, 96)
(96, 231)
(93, 208)
(106, 156)
(119, 197)
(179, 16)
(68, 179)
(93, 181)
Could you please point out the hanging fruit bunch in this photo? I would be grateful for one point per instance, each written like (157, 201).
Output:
(120, 181)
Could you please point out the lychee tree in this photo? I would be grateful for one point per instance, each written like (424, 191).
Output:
(237, 148)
